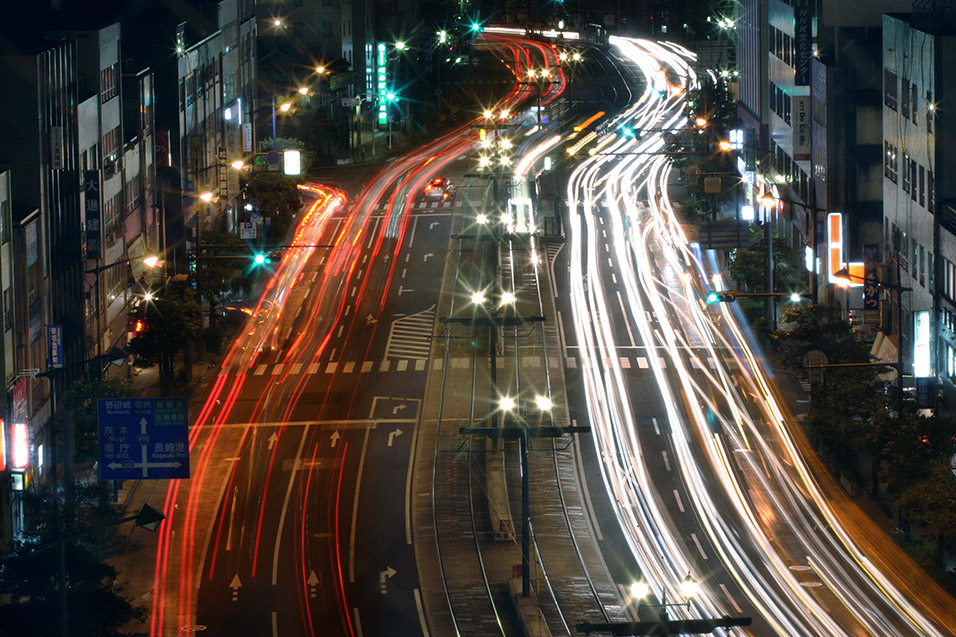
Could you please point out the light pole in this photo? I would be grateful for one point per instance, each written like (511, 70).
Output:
(640, 589)
(844, 273)
(149, 261)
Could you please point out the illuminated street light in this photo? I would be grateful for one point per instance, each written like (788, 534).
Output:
(148, 296)
(543, 403)
(442, 37)
(505, 113)
(640, 589)
(724, 145)
(488, 113)
(477, 298)
(303, 90)
(484, 161)
(285, 106)
(277, 22)
(151, 261)
(504, 160)
(238, 165)
(320, 69)
(701, 122)
(507, 298)
(506, 403)
(689, 587)
(208, 197)
(400, 45)
(481, 219)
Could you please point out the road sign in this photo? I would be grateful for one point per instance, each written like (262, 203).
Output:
(255, 216)
(669, 138)
(143, 438)
(351, 102)
(247, 230)
(254, 203)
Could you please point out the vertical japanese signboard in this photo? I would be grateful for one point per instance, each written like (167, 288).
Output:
(802, 41)
(381, 75)
(801, 127)
(91, 199)
(54, 346)
(871, 284)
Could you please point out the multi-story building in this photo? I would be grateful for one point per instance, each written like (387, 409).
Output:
(41, 146)
(217, 102)
(919, 215)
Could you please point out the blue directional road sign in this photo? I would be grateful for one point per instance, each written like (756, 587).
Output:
(143, 438)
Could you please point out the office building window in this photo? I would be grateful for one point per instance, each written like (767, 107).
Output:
(889, 88)
(922, 186)
(890, 162)
(906, 172)
(905, 98)
(930, 192)
(913, 193)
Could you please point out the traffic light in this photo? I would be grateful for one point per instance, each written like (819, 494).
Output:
(259, 258)
(137, 322)
(720, 297)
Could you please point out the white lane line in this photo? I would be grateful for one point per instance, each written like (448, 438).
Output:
(680, 505)
(732, 600)
(421, 613)
(667, 463)
(354, 289)
(355, 503)
(232, 517)
(627, 320)
(657, 429)
(411, 239)
(348, 310)
(275, 624)
(358, 622)
(285, 505)
(700, 548)
(339, 335)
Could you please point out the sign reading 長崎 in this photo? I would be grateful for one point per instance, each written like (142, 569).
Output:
(143, 438)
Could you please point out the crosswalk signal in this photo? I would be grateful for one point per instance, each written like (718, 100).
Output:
(720, 297)
(259, 258)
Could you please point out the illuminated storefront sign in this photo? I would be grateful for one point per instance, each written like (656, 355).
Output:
(381, 78)
(20, 446)
(835, 261)
(921, 344)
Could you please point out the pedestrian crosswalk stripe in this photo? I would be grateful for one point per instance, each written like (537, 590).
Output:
(572, 362)
(531, 361)
(419, 365)
(331, 367)
(642, 362)
(625, 362)
(459, 363)
(366, 367)
(278, 368)
(348, 367)
(260, 369)
(313, 368)
(384, 365)
(402, 365)
(410, 336)
(436, 365)
(296, 368)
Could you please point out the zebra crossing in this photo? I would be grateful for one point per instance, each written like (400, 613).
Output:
(421, 205)
(642, 362)
(410, 336)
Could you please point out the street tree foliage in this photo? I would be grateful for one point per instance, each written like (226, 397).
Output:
(171, 320)
(81, 399)
(818, 327)
(96, 606)
(215, 271)
(748, 266)
(932, 503)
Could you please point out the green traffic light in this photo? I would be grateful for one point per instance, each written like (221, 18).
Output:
(628, 131)
(712, 297)
(259, 258)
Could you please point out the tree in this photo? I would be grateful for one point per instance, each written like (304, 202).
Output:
(216, 269)
(171, 320)
(81, 400)
(29, 575)
(817, 327)
(748, 265)
(932, 501)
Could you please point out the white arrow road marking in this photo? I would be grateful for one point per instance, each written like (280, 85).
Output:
(430, 254)
(272, 440)
(335, 438)
(398, 408)
(432, 225)
(313, 581)
(385, 575)
(370, 320)
(393, 435)
(235, 585)
(145, 466)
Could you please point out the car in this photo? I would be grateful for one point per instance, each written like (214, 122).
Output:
(440, 188)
